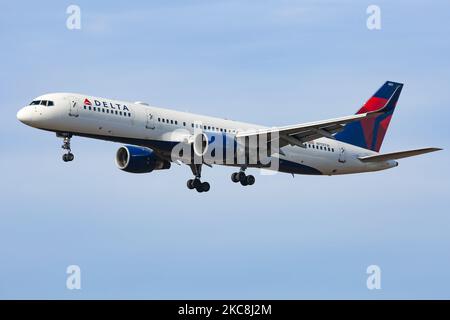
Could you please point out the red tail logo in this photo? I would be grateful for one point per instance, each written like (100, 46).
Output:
(87, 102)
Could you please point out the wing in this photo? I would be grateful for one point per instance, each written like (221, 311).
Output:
(301, 133)
(397, 155)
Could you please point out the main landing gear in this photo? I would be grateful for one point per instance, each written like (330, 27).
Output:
(245, 180)
(196, 183)
(67, 157)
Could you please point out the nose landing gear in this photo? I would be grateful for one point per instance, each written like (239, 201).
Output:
(67, 157)
(245, 180)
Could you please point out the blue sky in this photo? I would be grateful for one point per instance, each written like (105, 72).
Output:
(268, 62)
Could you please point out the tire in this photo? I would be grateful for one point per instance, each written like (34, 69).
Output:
(235, 177)
(205, 186)
(70, 156)
(244, 182)
(196, 183)
(241, 176)
(190, 184)
(250, 180)
(65, 158)
(199, 188)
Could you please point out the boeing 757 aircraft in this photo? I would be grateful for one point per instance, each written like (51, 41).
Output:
(155, 137)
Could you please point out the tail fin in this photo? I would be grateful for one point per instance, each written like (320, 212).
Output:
(369, 133)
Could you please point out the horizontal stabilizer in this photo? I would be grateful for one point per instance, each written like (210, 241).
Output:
(397, 155)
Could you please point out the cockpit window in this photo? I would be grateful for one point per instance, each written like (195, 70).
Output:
(42, 103)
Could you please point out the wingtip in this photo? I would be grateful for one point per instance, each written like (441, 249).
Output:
(432, 149)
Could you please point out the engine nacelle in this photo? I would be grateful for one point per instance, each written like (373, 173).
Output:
(139, 160)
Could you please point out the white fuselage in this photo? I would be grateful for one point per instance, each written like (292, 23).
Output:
(140, 124)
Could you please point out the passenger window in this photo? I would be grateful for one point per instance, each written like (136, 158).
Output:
(120, 112)
(107, 110)
(103, 110)
(90, 108)
(116, 112)
(159, 119)
(95, 109)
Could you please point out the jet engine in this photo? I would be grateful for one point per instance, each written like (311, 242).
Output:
(139, 160)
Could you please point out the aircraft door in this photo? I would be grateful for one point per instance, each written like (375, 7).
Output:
(150, 122)
(73, 107)
(342, 155)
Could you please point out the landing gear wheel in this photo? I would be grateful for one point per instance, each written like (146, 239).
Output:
(197, 183)
(190, 184)
(244, 182)
(243, 178)
(68, 157)
(250, 180)
(205, 186)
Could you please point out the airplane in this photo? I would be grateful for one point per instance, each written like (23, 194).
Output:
(344, 145)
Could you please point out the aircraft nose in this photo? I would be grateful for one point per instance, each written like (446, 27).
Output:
(25, 115)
